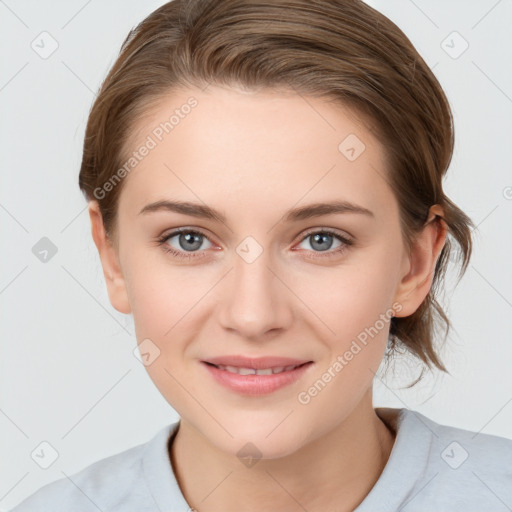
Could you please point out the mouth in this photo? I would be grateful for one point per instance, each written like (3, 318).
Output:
(256, 376)
(256, 371)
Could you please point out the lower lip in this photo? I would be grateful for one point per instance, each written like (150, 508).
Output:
(256, 384)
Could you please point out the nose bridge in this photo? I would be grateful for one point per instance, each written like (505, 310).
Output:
(252, 270)
(256, 301)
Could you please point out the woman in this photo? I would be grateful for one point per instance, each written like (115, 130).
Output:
(265, 192)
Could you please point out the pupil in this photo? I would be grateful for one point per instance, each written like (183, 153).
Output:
(191, 238)
(322, 240)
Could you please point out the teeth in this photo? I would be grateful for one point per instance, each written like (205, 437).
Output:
(252, 371)
(247, 371)
(264, 371)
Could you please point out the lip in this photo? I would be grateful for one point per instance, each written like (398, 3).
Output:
(256, 385)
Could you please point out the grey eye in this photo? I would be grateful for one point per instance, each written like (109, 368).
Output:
(321, 241)
(187, 240)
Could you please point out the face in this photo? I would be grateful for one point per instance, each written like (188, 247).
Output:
(262, 278)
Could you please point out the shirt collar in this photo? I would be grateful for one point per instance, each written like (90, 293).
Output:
(406, 464)
(158, 472)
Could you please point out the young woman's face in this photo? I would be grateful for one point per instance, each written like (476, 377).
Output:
(268, 280)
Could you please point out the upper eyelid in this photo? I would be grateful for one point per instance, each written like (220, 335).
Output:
(334, 231)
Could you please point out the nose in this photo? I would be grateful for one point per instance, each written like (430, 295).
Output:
(255, 300)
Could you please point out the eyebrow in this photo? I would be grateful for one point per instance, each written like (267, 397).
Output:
(293, 215)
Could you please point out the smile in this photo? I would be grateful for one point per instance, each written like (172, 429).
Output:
(254, 371)
(246, 380)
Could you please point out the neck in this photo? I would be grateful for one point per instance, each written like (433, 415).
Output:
(332, 473)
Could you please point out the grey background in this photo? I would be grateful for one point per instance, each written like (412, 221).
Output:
(68, 373)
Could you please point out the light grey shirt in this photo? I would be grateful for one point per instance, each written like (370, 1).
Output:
(432, 468)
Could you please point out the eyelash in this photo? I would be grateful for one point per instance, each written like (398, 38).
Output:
(184, 256)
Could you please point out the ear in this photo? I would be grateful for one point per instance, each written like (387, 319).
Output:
(114, 279)
(421, 263)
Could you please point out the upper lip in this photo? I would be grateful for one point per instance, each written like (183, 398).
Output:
(258, 363)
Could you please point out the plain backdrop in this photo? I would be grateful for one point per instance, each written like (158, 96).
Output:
(68, 373)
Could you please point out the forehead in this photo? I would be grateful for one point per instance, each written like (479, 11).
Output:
(254, 149)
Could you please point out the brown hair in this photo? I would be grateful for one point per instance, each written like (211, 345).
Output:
(342, 50)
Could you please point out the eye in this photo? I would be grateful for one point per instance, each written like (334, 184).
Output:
(188, 242)
(322, 241)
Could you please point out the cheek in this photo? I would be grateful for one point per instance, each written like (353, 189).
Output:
(170, 306)
(160, 292)
(353, 301)
(351, 297)
(356, 309)
(165, 303)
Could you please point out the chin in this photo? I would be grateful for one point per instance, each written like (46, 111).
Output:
(270, 438)
(261, 448)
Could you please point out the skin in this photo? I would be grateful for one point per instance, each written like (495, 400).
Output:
(253, 156)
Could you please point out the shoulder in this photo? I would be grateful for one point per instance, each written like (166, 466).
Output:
(458, 447)
(114, 483)
(463, 469)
